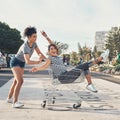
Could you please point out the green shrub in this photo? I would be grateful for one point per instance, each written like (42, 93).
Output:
(105, 68)
(117, 67)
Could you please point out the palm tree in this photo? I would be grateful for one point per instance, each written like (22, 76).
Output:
(113, 41)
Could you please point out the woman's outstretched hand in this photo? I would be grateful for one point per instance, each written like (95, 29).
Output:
(34, 69)
(44, 33)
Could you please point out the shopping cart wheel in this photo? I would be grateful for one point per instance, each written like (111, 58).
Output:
(76, 106)
(43, 105)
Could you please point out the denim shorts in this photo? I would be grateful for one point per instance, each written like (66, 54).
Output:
(14, 62)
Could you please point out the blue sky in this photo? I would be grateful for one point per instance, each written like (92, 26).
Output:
(68, 21)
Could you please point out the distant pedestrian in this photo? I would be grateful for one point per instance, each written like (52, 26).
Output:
(8, 60)
(80, 61)
(64, 59)
(68, 60)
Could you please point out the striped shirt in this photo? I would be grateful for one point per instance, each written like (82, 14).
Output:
(57, 66)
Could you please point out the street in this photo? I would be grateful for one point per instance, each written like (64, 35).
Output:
(104, 105)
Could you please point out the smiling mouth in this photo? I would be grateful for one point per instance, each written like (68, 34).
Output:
(53, 52)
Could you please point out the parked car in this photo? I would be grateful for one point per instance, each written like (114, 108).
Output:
(3, 62)
(11, 55)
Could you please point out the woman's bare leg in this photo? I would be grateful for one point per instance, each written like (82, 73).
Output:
(10, 94)
(88, 77)
(18, 74)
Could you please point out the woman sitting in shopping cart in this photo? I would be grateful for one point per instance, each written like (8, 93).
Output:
(60, 71)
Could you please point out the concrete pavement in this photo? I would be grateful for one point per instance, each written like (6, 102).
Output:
(104, 105)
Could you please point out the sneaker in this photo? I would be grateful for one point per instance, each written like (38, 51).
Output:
(105, 55)
(91, 88)
(9, 100)
(17, 105)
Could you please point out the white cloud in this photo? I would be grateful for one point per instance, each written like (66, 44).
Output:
(70, 21)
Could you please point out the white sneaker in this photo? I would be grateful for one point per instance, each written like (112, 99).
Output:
(105, 55)
(17, 105)
(9, 100)
(91, 88)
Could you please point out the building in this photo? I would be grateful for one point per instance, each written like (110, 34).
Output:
(100, 37)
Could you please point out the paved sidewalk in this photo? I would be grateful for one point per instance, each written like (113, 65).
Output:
(104, 105)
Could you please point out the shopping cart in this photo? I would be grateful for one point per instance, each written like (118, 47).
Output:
(53, 94)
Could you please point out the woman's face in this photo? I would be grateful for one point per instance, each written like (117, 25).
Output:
(53, 51)
(33, 38)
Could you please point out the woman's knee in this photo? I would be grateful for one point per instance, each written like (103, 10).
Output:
(86, 72)
(84, 66)
(20, 82)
